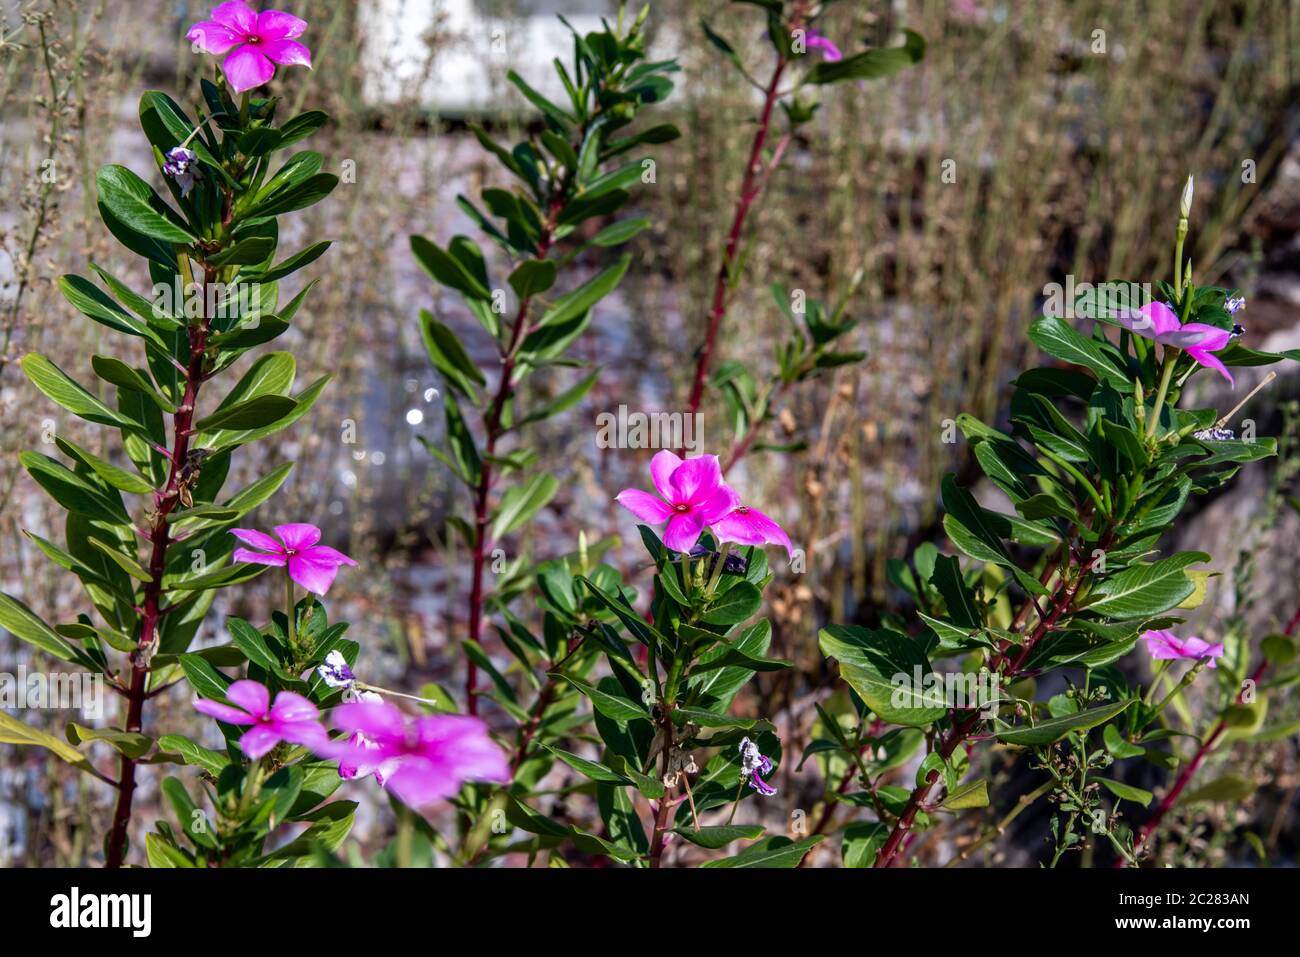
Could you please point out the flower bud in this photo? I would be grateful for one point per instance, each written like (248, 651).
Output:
(1185, 205)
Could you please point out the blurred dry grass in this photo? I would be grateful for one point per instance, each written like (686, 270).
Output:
(1065, 161)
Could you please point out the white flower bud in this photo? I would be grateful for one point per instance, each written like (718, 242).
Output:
(1185, 206)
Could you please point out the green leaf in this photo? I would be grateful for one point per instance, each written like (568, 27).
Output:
(522, 502)
(94, 304)
(611, 706)
(13, 731)
(1229, 787)
(1057, 338)
(579, 301)
(591, 769)
(968, 795)
(447, 270)
(449, 356)
(532, 277)
(252, 413)
(123, 376)
(138, 207)
(720, 835)
(131, 743)
(772, 852)
(119, 478)
(740, 602)
(872, 64)
(20, 621)
(1127, 792)
(616, 234)
(73, 491)
(1054, 729)
(881, 667)
(58, 386)
(1146, 590)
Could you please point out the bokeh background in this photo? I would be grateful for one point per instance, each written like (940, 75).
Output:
(1066, 127)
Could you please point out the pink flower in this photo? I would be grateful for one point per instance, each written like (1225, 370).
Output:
(830, 52)
(1166, 646)
(749, 526)
(423, 760)
(259, 42)
(312, 566)
(693, 496)
(292, 718)
(1157, 322)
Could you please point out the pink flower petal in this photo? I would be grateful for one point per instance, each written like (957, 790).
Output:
(644, 506)
(277, 25)
(258, 741)
(214, 38)
(323, 553)
(298, 535)
(222, 712)
(1155, 319)
(291, 706)
(716, 504)
(252, 696)
(376, 720)
(246, 68)
(309, 734)
(237, 15)
(315, 576)
(1212, 362)
(749, 526)
(418, 781)
(683, 532)
(259, 540)
(259, 558)
(662, 467)
(1199, 335)
(695, 478)
(287, 53)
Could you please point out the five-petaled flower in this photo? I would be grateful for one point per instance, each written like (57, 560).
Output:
(312, 566)
(179, 166)
(292, 718)
(752, 765)
(256, 42)
(422, 760)
(693, 496)
(1164, 645)
(1157, 322)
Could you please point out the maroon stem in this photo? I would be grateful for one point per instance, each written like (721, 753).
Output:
(160, 538)
(492, 427)
(1184, 778)
(750, 188)
(664, 811)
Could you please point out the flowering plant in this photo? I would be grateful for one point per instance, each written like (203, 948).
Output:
(211, 252)
(1098, 464)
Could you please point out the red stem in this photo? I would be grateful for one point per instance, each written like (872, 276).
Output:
(1202, 752)
(160, 539)
(750, 188)
(492, 426)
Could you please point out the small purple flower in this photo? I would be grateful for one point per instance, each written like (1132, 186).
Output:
(180, 167)
(1232, 305)
(335, 671)
(292, 718)
(1166, 646)
(752, 765)
(830, 52)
